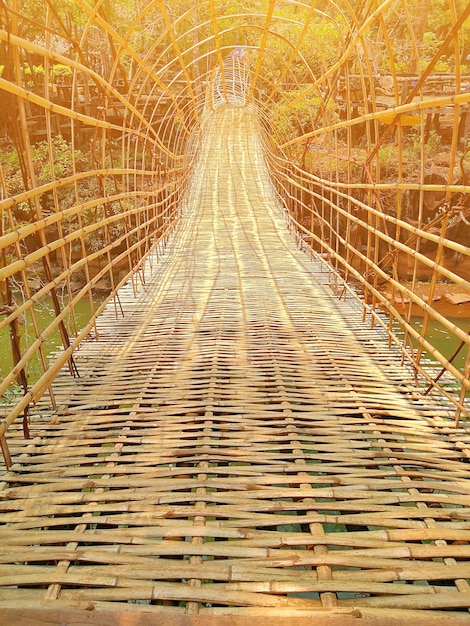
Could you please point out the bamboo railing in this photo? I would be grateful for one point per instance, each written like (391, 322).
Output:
(102, 116)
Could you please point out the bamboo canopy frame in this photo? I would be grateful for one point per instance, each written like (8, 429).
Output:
(370, 223)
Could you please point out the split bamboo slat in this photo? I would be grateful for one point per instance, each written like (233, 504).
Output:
(238, 444)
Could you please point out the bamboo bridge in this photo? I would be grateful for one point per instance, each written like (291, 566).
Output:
(254, 421)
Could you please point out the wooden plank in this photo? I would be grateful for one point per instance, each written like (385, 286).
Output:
(93, 615)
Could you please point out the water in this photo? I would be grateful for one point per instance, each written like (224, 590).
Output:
(44, 316)
(445, 342)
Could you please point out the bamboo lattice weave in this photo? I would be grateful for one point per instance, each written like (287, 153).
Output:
(238, 443)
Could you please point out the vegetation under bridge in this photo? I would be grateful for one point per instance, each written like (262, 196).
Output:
(264, 207)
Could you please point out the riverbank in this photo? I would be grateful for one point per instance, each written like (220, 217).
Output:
(449, 300)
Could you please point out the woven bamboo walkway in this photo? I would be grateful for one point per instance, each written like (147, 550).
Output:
(239, 446)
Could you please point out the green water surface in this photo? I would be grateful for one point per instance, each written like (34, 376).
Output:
(44, 313)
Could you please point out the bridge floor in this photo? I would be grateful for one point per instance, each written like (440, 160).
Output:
(238, 445)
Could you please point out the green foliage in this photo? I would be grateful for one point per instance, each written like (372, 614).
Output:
(302, 113)
(97, 239)
(320, 46)
(13, 179)
(61, 164)
(415, 148)
(61, 71)
(430, 22)
(10, 397)
(430, 46)
(33, 75)
(50, 163)
(388, 158)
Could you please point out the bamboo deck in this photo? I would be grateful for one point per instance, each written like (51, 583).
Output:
(239, 445)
